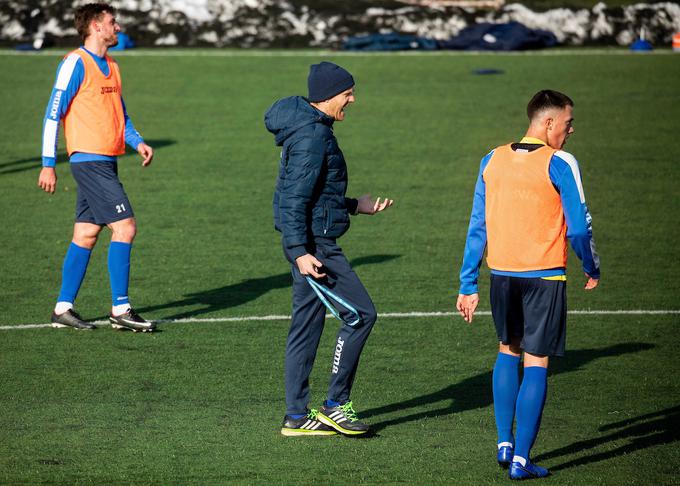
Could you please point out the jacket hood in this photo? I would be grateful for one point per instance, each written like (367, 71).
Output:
(288, 115)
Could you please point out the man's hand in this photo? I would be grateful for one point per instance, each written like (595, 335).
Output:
(466, 305)
(146, 152)
(368, 206)
(47, 181)
(309, 265)
(591, 283)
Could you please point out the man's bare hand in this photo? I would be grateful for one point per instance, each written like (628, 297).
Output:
(591, 283)
(466, 305)
(309, 265)
(146, 152)
(367, 205)
(47, 181)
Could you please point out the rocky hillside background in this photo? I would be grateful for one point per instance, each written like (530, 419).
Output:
(283, 23)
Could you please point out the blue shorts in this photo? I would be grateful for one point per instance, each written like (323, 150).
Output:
(533, 309)
(101, 198)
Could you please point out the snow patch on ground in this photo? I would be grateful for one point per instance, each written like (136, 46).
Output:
(278, 23)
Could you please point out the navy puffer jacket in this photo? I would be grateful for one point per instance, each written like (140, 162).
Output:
(309, 200)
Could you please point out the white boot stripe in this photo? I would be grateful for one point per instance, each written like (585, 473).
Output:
(305, 424)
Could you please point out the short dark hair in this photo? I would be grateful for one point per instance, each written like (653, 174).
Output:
(546, 99)
(87, 13)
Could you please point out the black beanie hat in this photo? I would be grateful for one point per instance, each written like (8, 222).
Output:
(326, 80)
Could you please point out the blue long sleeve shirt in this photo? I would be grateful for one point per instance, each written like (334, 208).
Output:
(566, 177)
(70, 75)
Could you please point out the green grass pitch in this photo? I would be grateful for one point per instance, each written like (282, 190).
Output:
(201, 402)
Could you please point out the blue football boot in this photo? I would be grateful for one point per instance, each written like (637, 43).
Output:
(530, 471)
(505, 454)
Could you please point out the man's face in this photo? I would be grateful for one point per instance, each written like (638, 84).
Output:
(335, 107)
(560, 127)
(106, 29)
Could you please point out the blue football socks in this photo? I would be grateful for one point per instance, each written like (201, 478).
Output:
(505, 389)
(119, 271)
(332, 403)
(530, 401)
(297, 416)
(73, 272)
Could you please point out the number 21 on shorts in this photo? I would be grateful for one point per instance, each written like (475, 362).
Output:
(120, 208)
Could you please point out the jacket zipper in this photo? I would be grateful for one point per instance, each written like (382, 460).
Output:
(326, 223)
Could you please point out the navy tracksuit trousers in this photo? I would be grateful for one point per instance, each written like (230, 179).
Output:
(307, 325)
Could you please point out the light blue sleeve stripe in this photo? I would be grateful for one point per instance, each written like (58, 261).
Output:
(70, 74)
(475, 242)
(565, 174)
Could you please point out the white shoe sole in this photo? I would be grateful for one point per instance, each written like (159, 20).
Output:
(339, 428)
(58, 325)
(120, 326)
(308, 433)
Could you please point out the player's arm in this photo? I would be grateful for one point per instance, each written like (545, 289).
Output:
(565, 174)
(305, 161)
(475, 243)
(70, 74)
(135, 140)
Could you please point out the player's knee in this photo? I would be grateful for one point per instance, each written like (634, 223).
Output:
(531, 359)
(368, 318)
(124, 231)
(513, 348)
(85, 241)
(85, 235)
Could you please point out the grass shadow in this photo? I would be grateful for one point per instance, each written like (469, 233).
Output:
(475, 392)
(30, 163)
(221, 298)
(641, 432)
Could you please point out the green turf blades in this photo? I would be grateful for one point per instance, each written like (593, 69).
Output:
(196, 414)
(205, 203)
(207, 406)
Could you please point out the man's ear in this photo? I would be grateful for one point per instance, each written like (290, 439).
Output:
(95, 26)
(549, 123)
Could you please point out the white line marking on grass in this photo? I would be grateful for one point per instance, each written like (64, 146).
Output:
(397, 315)
(160, 52)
